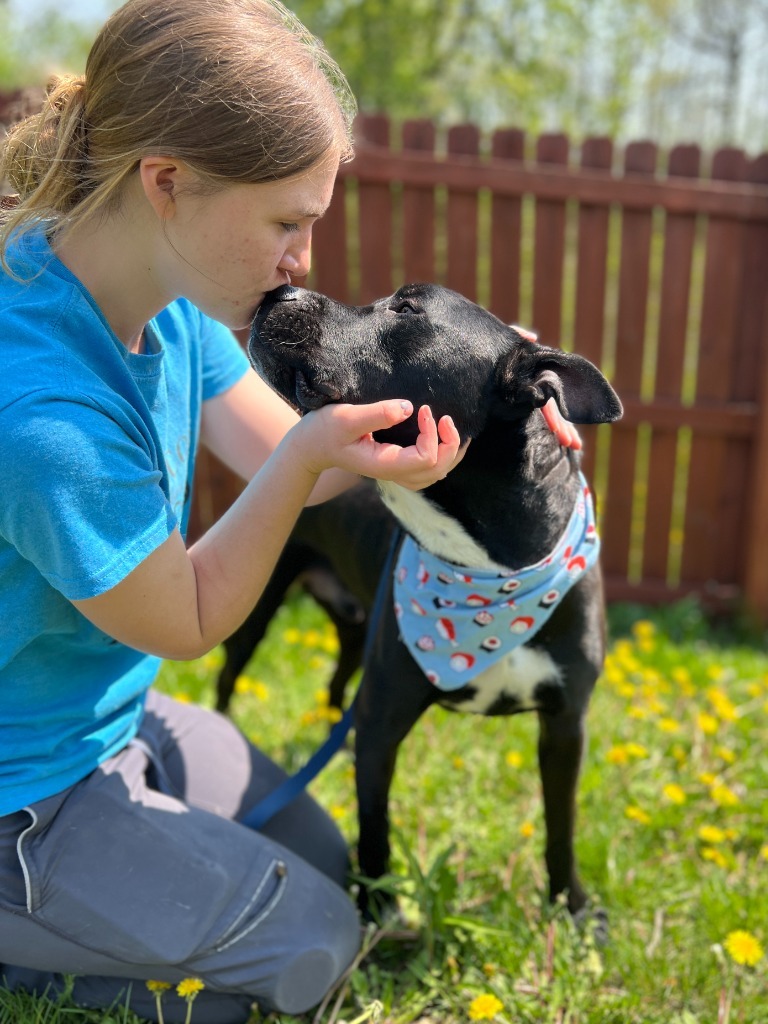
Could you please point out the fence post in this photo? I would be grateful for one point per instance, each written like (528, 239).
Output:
(756, 541)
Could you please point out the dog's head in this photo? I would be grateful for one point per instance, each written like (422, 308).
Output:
(425, 343)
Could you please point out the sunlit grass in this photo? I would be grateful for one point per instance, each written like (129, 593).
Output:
(672, 836)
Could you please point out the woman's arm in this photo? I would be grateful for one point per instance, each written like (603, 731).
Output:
(180, 603)
(243, 426)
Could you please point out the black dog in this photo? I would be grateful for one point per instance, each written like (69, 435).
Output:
(515, 500)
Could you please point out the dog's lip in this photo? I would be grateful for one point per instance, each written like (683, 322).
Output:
(313, 395)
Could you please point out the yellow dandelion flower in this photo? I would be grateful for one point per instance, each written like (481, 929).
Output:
(680, 754)
(330, 644)
(636, 750)
(338, 812)
(637, 814)
(311, 638)
(743, 948)
(707, 723)
(514, 758)
(489, 970)
(182, 697)
(527, 829)
(157, 986)
(458, 762)
(764, 852)
(674, 793)
(189, 987)
(712, 834)
(668, 725)
(644, 629)
(722, 703)
(708, 778)
(715, 672)
(638, 712)
(725, 754)
(485, 1007)
(617, 755)
(292, 636)
(724, 796)
(714, 855)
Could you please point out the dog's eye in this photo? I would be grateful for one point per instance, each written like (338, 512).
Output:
(405, 307)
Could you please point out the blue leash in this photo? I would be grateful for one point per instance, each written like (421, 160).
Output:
(288, 790)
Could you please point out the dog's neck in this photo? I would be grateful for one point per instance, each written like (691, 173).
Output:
(503, 507)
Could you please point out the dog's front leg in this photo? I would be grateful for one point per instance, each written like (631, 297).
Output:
(393, 695)
(561, 745)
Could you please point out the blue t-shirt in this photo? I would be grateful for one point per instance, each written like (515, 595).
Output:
(97, 452)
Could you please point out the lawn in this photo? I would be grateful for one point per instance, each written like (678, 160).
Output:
(672, 838)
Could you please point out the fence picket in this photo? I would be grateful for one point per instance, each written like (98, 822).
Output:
(374, 218)
(591, 276)
(506, 228)
(418, 210)
(461, 218)
(619, 502)
(549, 250)
(679, 240)
(708, 553)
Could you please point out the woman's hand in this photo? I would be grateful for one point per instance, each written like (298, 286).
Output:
(342, 435)
(565, 432)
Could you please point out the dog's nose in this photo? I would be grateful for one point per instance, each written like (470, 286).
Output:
(285, 293)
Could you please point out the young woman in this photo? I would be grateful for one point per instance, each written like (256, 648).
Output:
(158, 198)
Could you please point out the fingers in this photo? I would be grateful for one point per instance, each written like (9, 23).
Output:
(524, 333)
(564, 431)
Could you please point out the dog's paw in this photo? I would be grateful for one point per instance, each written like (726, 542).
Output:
(593, 921)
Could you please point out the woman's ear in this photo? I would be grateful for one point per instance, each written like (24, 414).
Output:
(161, 178)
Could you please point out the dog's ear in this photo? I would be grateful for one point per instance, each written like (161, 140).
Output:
(530, 374)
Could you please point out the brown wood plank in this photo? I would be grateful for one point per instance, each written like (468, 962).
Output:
(549, 248)
(461, 218)
(709, 554)
(330, 270)
(679, 238)
(418, 210)
(506, 215)
(591, 274)
(639, 158)
(374, 216)
(751, 381)
(632, 191)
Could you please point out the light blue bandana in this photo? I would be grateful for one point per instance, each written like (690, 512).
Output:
(457, 622)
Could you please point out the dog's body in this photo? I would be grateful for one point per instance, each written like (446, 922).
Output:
(505, 505)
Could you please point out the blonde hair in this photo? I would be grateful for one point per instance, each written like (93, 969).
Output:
(238, 89)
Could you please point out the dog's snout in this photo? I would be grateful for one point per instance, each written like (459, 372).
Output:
(285, 293)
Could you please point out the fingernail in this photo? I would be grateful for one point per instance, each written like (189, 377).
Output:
(407, 408)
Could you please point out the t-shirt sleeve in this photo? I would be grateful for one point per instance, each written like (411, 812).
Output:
(82, 500)
(223, 359)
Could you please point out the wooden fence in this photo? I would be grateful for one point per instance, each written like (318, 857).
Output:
(653, 265)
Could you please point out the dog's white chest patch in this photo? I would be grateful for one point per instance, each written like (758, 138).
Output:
(433, 529)
(510, 683)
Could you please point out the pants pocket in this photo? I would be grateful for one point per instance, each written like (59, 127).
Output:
(144, 878)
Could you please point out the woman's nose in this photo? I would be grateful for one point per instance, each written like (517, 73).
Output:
(297, 257)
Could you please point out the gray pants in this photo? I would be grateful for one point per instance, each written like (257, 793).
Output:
(141, 871)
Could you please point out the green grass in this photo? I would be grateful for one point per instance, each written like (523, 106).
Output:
(672, 838)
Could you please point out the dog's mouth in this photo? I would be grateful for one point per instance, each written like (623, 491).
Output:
(312, 395)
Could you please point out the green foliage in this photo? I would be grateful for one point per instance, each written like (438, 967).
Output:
(32, 49)
(671, 838)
